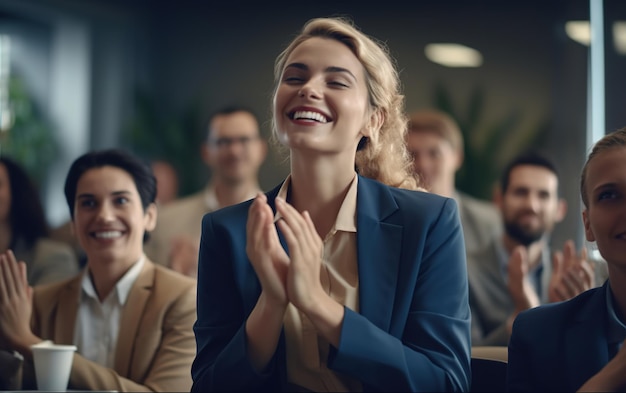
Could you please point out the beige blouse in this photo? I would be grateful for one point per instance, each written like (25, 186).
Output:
(307, 352)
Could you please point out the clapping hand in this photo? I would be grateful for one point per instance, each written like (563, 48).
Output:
(523, 294)
(572, 273)
(293, 278)
(305, 250)
(15, 304)
(269, 260)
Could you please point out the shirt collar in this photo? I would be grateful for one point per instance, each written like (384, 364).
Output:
(282, 193)
(210, 198)
(346, 217)
(122, 287)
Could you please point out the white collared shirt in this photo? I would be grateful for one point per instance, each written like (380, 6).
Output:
(98, 323)
(210, 198)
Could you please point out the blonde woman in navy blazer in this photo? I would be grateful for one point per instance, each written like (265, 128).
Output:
(338, 108)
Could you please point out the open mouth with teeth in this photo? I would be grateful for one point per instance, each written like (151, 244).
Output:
(107, 234)
(309, 115)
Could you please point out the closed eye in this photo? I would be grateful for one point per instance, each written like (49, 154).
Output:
(293, 80)
(338, 84)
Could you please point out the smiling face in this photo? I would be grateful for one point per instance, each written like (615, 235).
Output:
(605, 215)
(109, 220)
(530, 205)
(321, 102)
(234, 150)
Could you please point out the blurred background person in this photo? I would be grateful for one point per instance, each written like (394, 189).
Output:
(518, 270)
(167, 181)
(23, 228)
(436, 144)
(234, 152)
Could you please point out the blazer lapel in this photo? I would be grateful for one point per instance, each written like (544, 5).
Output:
(378, 252)
(586, 357)
(65, 322)
(131, 317)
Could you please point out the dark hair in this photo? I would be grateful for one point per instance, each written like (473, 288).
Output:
(139, 170)
(26, 214)
(229, 110)
(528, 158)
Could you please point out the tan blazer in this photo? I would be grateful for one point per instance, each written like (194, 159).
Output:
(156, 343)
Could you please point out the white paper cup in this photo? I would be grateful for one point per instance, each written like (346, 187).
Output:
(53, 364)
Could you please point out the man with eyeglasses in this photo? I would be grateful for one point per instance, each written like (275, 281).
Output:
(234, 152)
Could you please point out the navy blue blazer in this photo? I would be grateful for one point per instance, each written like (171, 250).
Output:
(559, 346)
(412, 331)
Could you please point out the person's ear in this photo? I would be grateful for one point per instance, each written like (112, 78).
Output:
(561, 210)
(150, 217)
(588, 231)
(459, 156)
(377, 118)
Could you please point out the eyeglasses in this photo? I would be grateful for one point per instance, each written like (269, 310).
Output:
(224, 143)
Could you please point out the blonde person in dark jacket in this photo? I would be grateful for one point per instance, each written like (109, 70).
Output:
(578, 345)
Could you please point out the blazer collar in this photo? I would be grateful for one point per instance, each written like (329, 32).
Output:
(131, 317)
(378, 251)
(585, 341)
(65, 322)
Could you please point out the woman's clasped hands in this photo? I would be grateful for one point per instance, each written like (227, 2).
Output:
(285, 278)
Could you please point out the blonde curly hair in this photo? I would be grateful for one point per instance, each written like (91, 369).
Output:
(383, 156)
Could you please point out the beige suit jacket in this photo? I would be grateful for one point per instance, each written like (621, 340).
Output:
(156, 344)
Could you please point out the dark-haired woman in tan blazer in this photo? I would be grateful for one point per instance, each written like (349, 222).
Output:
(130, 319)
